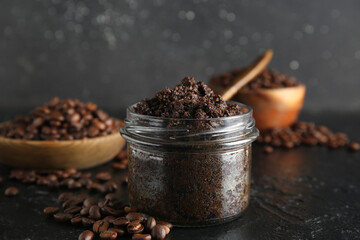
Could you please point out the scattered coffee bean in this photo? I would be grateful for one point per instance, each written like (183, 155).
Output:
(49, 211)
(86, 235)
(85, 211)
(128, 209)
(64, 196)
(100, 226)
(166, 229)
(88, 202)
(150, 224)
(122, 154)
(121, 222)
(141, 237)
(110, 196)
(120, 232)
(76, 220)
(94, 212)
(158, 232)
(169, 225)
(63, 217)
(135, 227)
(73, 209)
(268, 149)
(87, 222)
(354, 146)
(108, 235)
(132, 216)
(103, 176)
(11, 191)
(109, 219)
(106, 210)
(119, 166)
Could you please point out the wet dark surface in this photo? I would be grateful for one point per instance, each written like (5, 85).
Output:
(304, 193)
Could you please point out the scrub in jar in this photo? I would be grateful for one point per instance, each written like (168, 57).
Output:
(189, 155)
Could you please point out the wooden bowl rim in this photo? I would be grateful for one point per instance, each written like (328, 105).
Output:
(267, 90)
(49, 143)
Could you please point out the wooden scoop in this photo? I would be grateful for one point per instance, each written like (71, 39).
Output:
(249, 74)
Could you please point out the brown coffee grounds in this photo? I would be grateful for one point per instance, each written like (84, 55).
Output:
(304, 133)
(268, 79)
(188, 100)
(65, 119)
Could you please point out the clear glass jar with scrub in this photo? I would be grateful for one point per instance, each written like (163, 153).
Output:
(190, 172)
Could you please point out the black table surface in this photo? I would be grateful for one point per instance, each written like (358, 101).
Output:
(303, 193)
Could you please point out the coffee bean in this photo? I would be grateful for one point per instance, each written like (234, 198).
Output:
(135, 227)
(119, 166)
(76, 220)
(62, 217)
(106, 210)
(85, 211)
(109, 219)
(169, 225)
(100, 226)
(11, 191)
(135, 216)
(268, 149)
(121, 222)
(167, 230)
(120, 232)
(141, 237)
(108, 235)
(110, 196)
(64, 196)
(49, 211)
(128, 209)
(74, 185)
(87, 222)
(158, 232)
(86, 235)
(354, 146)
(94, 212)
(88, 202)
(122, 154)
(72, 209)
(103, 176)
(150, 224)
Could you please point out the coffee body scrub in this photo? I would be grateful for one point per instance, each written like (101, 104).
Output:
(189, 155)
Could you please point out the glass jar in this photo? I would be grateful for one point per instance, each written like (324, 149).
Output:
(190, 172)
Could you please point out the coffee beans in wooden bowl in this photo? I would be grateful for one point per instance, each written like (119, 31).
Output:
(61, 134)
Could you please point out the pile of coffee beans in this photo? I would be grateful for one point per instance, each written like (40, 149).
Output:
(66, 119)
(188, 100)
(109, 218)
(305, 133)
(268, 79)
(69, 178)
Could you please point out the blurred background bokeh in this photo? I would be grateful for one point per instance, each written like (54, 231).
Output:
(117, 52)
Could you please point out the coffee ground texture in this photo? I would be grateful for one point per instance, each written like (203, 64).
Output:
(188, 100)
(268, 79)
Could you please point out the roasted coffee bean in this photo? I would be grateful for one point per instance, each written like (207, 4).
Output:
(86, 235)
(166, 229)
(122, 154)
(63, 217)
(135, 227)
(110, 196)
(121, 222)
(103, 203)
(100, 226)
(85, 211)
(87, 222)
(150, 224)
(17, 174)
(158, 232)
(141, 237)
(110, 186)
(109, 219)
(94, 212)
(76, 220)
(354, 146)
(74, 185)
(11, 191)
(268, 149)
(119, 166)
(64, 197)
(106, 210)
(132, 216)
(88, 202)
(103, 176)
(169, 225)
(108, 235)
(120, 232)
(49, 211)
(72, 209)
(129, 209)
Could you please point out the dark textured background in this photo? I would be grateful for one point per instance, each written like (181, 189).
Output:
(118, 52)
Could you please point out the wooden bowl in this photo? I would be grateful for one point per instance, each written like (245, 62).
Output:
(80, 154)
(279, 107)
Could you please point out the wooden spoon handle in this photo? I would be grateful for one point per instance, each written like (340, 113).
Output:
(249, 74)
